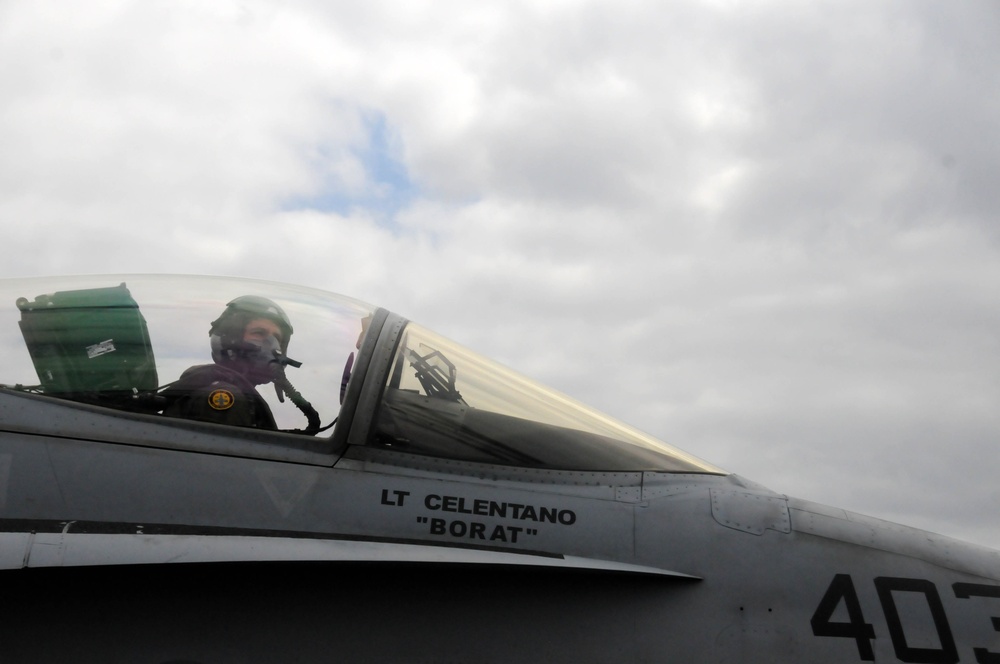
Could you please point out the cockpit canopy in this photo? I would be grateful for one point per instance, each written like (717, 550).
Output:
(120, 342)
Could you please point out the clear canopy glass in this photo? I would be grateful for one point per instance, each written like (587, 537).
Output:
(123, 342)
(442, 399)
(97, 338)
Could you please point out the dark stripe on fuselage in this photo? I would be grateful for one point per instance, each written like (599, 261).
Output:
(130, 528)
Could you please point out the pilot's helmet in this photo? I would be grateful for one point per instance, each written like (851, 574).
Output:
(227, 330)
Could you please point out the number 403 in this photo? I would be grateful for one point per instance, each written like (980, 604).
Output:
(841, 591)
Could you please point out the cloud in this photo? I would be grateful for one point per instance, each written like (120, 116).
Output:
(764, 232)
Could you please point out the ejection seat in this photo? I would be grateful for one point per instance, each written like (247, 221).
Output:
(91, 346)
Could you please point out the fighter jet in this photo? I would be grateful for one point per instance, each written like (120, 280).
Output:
(214, 470)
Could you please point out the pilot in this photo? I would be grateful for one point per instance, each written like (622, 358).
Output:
(248, 341)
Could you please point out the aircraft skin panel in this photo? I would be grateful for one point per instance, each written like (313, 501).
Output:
(761, 587)
(794, 588)
(33, 415)
(750, 512)
(869, 532)
(52, 480)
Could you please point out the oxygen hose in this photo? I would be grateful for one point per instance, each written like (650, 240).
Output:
(283, 385)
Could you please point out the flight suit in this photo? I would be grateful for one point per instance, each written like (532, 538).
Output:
(212, 393)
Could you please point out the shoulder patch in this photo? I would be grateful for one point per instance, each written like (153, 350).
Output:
(221, 399)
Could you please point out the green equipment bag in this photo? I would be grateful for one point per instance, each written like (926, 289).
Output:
(91, 345)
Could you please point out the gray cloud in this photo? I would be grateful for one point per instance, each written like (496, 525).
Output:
(765, 233)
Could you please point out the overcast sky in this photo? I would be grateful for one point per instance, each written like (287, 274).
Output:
(766, 232)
